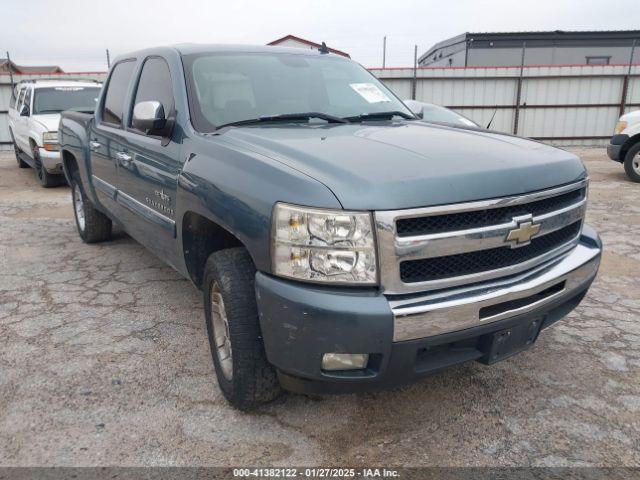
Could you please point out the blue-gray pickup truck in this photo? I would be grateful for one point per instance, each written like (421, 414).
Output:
(340, 242)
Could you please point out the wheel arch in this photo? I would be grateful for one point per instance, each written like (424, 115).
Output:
(69, 164)
(626, 146)
(202, 236)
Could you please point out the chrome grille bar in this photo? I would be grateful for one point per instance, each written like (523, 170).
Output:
(394, 249)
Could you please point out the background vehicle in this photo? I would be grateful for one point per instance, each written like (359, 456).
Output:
(340, 243)
(624, 146)
(34, 115)
(432, 113)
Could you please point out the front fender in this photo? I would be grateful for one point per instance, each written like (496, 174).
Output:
(35, 133)
(237, 189)
(75, 141)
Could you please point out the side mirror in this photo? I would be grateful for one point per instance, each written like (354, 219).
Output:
(149, 117)
(24, 111)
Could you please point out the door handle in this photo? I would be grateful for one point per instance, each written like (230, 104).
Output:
(123, 158)
(94, 145)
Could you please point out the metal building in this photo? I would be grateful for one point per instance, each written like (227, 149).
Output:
(539, 48)
(297, 42)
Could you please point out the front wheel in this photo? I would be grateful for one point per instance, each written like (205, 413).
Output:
(245, 376)
(46, 179)
(93, 225)
(632, 163)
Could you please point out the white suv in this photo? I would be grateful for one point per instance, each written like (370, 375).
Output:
(624, 146)
(34, 114)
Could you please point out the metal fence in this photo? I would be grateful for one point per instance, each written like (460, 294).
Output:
(5, 95)
(565, 105)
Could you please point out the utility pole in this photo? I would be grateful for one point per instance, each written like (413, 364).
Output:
(625, 81)
(516, 115)
(415, 72)
(108, 60)
(10, 71)
(384, 51)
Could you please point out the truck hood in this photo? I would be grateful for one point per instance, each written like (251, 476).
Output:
(49, 121)
(394, 165)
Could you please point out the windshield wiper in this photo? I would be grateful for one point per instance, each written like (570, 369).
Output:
(285, 117)
(380, 115)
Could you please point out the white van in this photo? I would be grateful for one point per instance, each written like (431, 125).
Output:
(34, 114)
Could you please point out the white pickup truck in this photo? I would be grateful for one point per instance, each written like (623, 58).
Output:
(624, 146)
(34, 115)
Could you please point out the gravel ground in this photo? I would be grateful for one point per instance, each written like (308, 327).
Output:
(104, 361)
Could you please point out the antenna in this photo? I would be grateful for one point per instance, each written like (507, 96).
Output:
(323, 48)
(492, 117)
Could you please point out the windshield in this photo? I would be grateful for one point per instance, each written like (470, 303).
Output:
(231, 87)
(57, 99)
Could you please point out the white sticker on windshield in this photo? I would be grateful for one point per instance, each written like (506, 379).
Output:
(69, 89)
(370, 92)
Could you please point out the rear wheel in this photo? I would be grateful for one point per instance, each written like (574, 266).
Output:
(93, 225)
(46, 179)
(632, 163)
(245, 376)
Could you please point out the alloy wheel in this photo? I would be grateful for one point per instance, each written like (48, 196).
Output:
(221, 332)
(78, 205)
(39, 166)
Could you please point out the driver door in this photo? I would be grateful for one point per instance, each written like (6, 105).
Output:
(21, 131)
(148, 167)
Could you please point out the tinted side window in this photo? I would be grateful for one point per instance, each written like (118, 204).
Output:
(155, 84)
(27, 98)
(20, 97)
(117, 92)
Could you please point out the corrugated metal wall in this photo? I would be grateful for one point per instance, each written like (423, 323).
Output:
(566, 105)
(5, 96)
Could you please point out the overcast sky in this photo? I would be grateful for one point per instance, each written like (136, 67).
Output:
(75, 33)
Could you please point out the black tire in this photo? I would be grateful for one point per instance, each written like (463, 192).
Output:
(253, 379)
(17, 152)
(94, 226)
(46, 179)
(632, 163)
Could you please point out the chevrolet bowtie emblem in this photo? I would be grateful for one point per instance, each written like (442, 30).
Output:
(522, 235)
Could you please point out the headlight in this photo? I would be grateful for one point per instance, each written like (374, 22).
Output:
(333, 246)
(51, 137)
(620, 127)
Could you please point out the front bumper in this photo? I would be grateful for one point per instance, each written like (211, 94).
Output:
(52, 161)
(615, 145)
(408, 338)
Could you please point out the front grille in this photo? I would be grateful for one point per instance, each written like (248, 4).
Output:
(437, 268)
(407, 227)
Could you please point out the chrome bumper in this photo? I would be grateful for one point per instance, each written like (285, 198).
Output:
(452, 310)
(50, 160)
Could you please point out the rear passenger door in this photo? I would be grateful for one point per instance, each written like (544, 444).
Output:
(105, 138)
(149, 167)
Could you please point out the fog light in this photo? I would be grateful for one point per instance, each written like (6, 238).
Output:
(344, 361)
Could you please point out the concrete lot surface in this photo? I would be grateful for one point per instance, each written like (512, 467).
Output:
(104, 360)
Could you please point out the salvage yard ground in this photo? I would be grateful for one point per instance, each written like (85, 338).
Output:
(104, 361)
